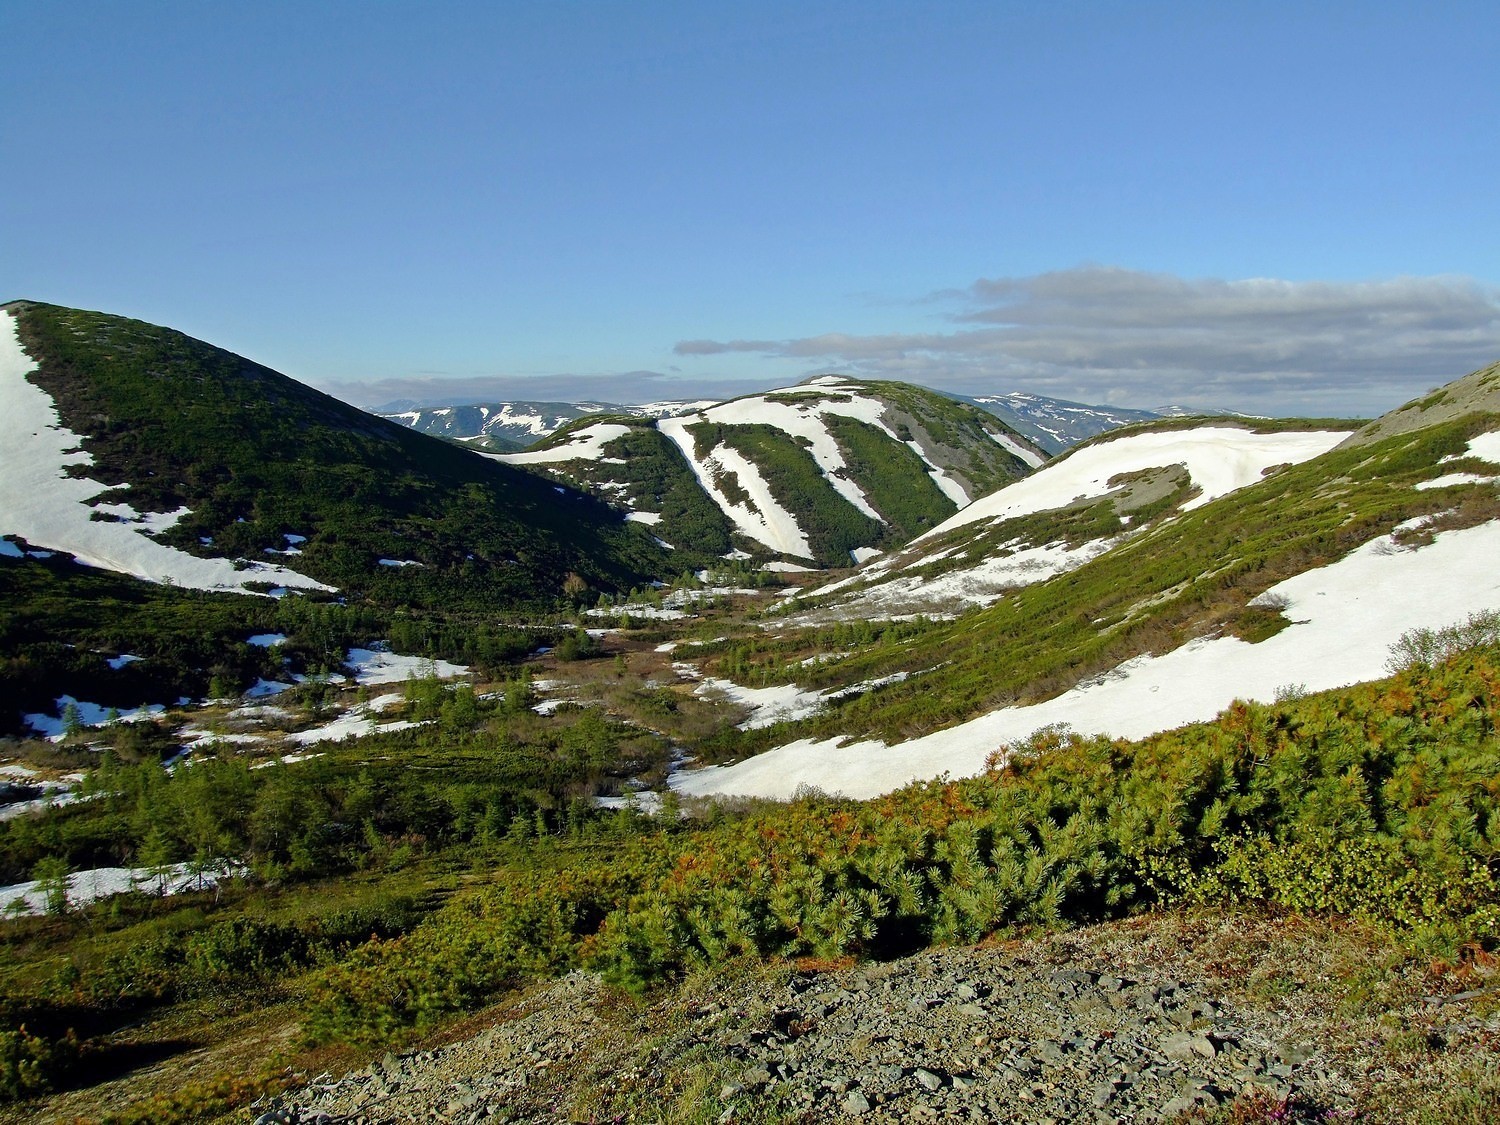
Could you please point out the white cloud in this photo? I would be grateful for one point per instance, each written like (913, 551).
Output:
(625, 388)
(1106, 334)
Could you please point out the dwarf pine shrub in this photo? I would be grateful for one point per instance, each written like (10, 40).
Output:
(1424, 648)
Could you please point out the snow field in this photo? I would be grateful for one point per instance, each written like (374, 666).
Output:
(1220, 459)
(1345, 618)
(586, 444)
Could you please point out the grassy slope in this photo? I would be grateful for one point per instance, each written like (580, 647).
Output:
(954, 435)
(1377, 801)
(1182, 578)
(892, 477)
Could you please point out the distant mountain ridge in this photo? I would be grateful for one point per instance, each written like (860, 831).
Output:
(1052, 424)
(1057, 424)
(504, 427)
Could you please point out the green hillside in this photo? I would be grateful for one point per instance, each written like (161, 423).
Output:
(257, 457)
(890, 461)
(643, 471)
(1193, 574)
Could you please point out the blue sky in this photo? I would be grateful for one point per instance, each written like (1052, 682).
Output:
(1282, 207)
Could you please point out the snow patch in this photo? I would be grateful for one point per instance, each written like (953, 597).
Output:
(644, 611)
(1451, 479)
(586, 444)
(102, 882)
(1220, 459)
(377, 666)
(89, 714)
(357, 722)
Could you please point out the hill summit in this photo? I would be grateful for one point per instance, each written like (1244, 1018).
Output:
(160, 456)
(825, 473)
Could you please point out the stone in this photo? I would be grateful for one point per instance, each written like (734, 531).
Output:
(1048, 1051)
(855, 1103)
(927, 1079)
(1179, 1045)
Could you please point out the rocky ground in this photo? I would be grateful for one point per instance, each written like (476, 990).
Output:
(1150, 1020)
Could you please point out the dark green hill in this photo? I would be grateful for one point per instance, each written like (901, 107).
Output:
(258, 457)
(816, 472)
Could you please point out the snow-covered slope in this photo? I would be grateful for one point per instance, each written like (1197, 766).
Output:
(1218, 459)
(1346, 617)
(1068, 512)
(520, 424)
(1341, 621)
(1056, 424)
(45, 504)
(827, 471)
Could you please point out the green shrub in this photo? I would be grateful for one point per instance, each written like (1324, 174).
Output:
(1367, 877)
(31, 1064)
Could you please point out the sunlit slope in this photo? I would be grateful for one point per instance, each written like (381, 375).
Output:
(1072, 510)
(1303, 579)
(824, 473)
(160, 456)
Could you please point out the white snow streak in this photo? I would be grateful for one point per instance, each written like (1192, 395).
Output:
(767, 521)
(1010, 445)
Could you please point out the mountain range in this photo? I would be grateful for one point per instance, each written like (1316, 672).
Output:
(819, 474)
(321, 733)
(1051, 424)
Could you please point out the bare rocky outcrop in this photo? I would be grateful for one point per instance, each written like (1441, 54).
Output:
(1176, 1019)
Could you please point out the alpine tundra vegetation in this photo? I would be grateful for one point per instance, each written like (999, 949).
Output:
(839, 751)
